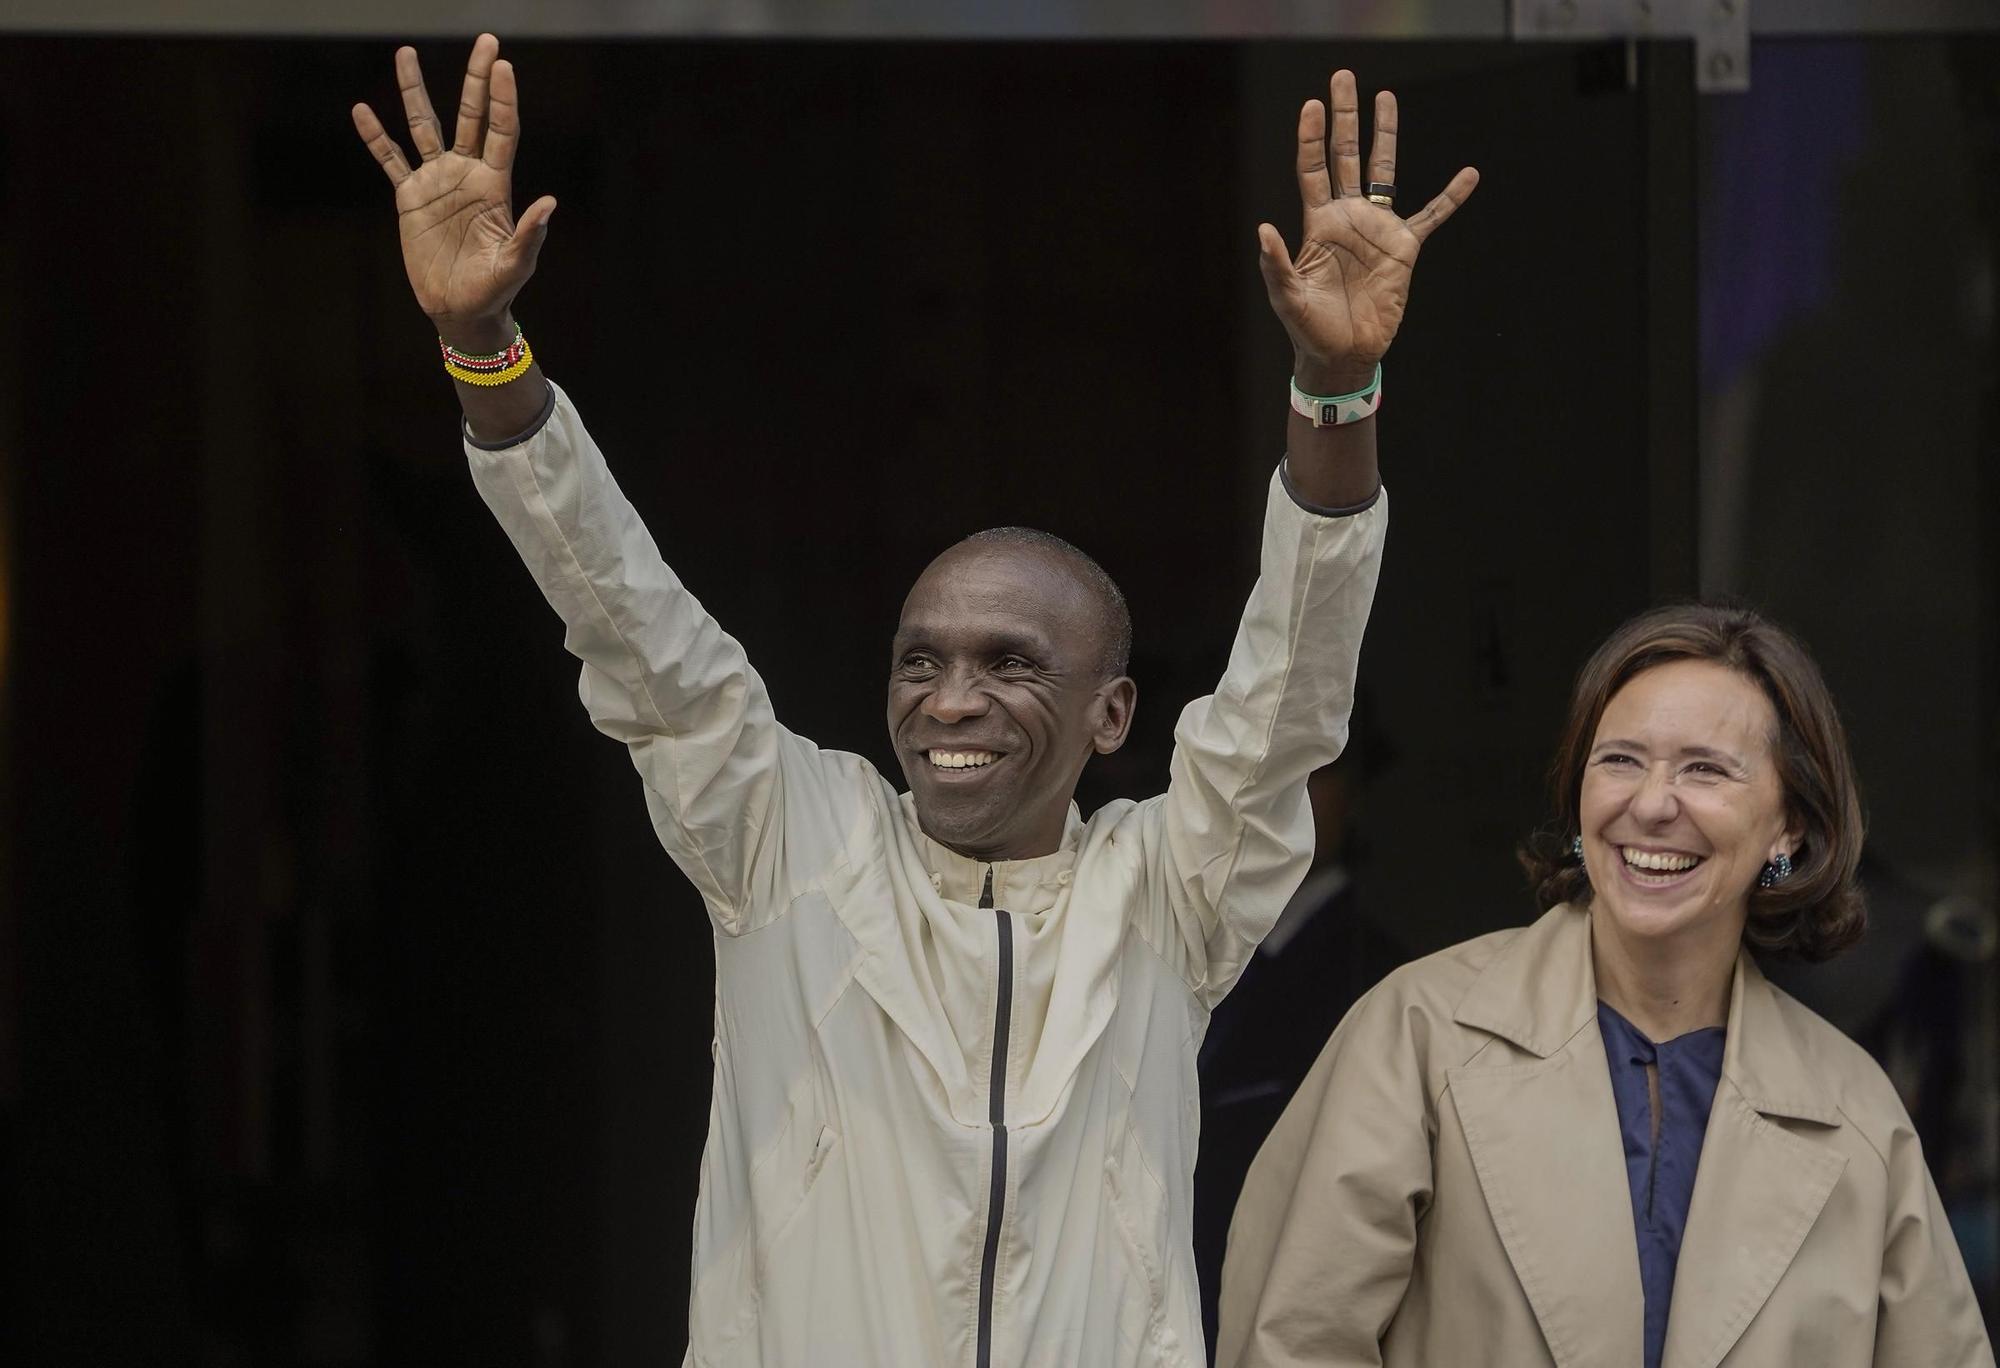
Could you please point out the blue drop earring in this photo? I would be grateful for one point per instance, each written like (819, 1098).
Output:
(1776, 872)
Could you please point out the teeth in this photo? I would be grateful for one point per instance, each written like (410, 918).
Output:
(962, 759)
(1661, 863)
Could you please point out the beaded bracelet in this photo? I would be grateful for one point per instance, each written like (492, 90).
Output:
(1329, 410)
(494, 368)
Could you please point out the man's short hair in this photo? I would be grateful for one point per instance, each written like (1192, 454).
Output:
(1114, 618)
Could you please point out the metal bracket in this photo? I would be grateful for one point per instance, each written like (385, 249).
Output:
(1720, 29)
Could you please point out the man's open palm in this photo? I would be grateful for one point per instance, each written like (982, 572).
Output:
(1342, 298)
(466, 255)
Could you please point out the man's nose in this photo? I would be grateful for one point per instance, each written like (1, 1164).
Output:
(954, 699)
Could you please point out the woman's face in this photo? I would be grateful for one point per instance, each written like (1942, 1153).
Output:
(1681, 804)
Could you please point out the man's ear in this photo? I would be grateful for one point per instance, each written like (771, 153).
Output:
(1112, 711)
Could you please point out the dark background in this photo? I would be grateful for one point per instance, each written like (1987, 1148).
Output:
(349, 1013)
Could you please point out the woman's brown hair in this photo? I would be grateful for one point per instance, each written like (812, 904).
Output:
(1817, 912)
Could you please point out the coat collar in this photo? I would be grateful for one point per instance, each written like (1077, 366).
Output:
(1759, 1189)
(1540, 990)
(1765, 1058)
(1545, 1144)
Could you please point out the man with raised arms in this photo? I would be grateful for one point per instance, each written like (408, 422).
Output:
(954, 1114)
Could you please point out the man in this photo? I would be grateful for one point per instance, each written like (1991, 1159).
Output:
(954, 1110)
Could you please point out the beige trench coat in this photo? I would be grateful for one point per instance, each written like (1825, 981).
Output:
(1449, 1188)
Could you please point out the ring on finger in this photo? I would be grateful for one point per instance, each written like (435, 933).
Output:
(1382, 193)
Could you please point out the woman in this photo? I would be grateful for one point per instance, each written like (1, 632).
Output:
(1494, 1162)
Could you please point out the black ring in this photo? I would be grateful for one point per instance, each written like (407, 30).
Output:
(1381, 188)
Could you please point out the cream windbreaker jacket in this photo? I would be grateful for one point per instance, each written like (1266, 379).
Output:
(954, 1112)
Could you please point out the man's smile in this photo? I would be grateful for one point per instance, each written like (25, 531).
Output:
(962, 759)
(961, 763)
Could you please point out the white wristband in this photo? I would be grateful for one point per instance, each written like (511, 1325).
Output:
(1332, 410)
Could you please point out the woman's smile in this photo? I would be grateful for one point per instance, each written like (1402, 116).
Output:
(1656, 870)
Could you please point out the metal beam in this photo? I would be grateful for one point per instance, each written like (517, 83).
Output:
(1720, 30)
(871, 19)
(959, 19)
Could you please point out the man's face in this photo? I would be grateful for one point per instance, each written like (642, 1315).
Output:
(997, 697)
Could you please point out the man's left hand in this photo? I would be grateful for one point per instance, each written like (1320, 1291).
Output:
(1342, 298)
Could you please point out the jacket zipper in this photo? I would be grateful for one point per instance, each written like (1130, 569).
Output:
(996, 1101)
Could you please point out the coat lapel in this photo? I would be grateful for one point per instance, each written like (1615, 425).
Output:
(1758, 1188)
(1545, 1143)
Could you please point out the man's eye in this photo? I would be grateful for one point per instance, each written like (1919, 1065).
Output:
(918, 664)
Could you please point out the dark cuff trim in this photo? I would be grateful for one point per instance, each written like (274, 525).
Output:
(541, 421)
(1285, 478)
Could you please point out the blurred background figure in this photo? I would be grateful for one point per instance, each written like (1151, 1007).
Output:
(1328, 948)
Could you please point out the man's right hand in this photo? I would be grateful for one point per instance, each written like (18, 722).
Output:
(466, 254)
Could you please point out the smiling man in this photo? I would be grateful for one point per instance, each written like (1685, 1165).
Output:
(955, 1105)
(1008, 675)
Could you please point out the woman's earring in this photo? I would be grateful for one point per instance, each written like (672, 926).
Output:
(1576, 848)
(1776, 872)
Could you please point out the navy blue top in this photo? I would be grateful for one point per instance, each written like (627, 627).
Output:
(1661, 1175)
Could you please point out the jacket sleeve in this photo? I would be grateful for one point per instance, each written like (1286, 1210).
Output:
(1235, 827)
(1928, 1313)
(741, 804)
(1323, 1241)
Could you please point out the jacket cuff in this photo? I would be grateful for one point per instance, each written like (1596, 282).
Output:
(1285, 478)
(541, 421)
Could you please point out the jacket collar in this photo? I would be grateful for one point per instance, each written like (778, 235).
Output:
(1764, 1057)
(1541, 989)
(1018, 885)
(1544, 1140)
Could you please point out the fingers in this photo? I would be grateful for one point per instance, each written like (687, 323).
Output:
(1346, 134)
(1314, 189)
(534, 220)
(531, 230)
(503, 126)
(383, 147)
(1274, 259)
(472, 96)
(1382, 151)
(424, 130)
(1427, 220)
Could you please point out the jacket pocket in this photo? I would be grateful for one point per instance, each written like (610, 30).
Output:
(1138, 1207)
(744, 1226)
(781, 1188)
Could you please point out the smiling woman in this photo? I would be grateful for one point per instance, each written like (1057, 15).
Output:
(1605, 1137)
(1729, 677)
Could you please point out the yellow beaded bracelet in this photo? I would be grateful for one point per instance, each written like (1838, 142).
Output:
(493, 377)
(496, 368)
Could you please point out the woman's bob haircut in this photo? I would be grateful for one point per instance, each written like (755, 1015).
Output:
(1817, 912)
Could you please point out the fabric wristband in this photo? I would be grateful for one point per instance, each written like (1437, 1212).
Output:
(1332, 410)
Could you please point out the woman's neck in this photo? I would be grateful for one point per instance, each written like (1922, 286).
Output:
(1665, 988)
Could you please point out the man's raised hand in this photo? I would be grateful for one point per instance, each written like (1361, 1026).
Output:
(466, 254)
(1342, 298)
